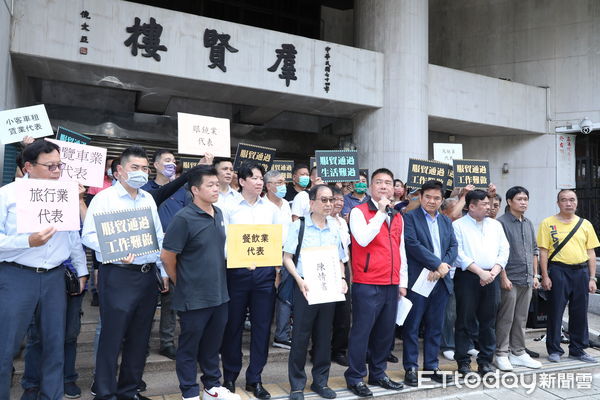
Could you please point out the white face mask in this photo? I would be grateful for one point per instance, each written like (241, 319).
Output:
(137, 179)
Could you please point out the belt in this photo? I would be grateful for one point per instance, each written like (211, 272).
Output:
(35, 269)
(136, 267)
(570, 266)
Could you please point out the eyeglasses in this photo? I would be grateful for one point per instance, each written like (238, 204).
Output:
(325, 200)
(52, 167)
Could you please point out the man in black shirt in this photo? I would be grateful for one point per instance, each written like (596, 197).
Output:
(194, 258)
(300, 181)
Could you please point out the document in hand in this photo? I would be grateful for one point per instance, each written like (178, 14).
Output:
(404, 306)
(423, 286)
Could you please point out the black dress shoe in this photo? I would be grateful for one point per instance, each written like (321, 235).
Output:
(532, 353)
(386, 383)
(484, 369)
(141, 387)
(323, 391)
(437, 376)
(258, 390)
(168, 352)
(464, 368)
(340, 359)
(136, 397)
(392, 358)
(411, 378)
(360, 389)
(229, 385)
(297, 395)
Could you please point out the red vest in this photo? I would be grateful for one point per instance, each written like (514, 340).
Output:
(379, 262)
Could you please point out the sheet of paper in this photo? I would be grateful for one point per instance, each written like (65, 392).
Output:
(404, 306)
(321, 267)
(423, 286)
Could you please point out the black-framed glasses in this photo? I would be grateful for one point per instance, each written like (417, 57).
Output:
(52, 167)
(325, 200)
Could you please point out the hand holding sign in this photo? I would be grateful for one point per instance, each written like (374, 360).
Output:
(40, 238)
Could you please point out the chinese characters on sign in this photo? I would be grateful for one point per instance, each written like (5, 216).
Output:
(188, 163)
(67, 135)
(287, 54)
(150, 38)
(17, 123)
(253, 153)
(198, 135)
(85, 28)
(327, 69)
(47, 202)
(84, 164)
(285, 167)
(125, 232)
(337, 165)
(218, 43)
(565, 162)
(253, 245)
(471, 172)
(446, 152)
(322, 274)
(421, 171)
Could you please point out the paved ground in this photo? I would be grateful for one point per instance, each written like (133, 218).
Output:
(162, 380)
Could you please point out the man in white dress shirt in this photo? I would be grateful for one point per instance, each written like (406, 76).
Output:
(224, 168)
(482, 254)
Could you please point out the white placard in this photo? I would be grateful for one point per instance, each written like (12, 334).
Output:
(198, 135)
(565, 161)
(83, 163)
(17, 123)
(47, 202)
(446, 152)
(322, 274)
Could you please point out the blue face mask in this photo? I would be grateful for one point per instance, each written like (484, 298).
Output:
(169, 170)
(137, 179)
(303, 181)
(281, 191)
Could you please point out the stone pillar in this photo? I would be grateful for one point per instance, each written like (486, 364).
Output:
(389, 136)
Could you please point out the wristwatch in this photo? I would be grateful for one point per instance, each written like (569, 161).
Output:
(538, 276)
(594, 279)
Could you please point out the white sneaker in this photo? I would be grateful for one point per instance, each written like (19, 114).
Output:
(524, 360)
(448, 355)
(473, 352)
(503, 364)
(219, 393)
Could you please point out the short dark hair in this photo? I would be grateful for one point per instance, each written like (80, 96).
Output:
(298, 166)
(158, 153)
(382, 171)
(515, 190)
(113, 167)
(474, 196)
(245, 170)
(39, 146)
(196, 175)
(433, 185)
(363, 174)
(565, 190)
(335, 189)
(314, 191)
(398, 180)
(218, 160)
(132, 151)
(498, 197)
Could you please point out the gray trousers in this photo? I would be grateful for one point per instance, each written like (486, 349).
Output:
(511, 320)
(168, 321)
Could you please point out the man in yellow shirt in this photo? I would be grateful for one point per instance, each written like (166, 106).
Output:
(569, 274)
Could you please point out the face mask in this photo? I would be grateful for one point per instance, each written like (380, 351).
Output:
(360, 187)
(169, 170)
(303, 181)
(137, 179)
(109, 173)
(281, 191)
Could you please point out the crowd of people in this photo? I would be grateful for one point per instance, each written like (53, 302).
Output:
(481, 267)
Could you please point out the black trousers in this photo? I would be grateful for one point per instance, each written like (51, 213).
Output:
(569, 285)
(127, 304)
(475, 304)
(341, 321)
(310, 320)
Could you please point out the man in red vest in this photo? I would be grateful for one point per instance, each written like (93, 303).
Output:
(379, 277)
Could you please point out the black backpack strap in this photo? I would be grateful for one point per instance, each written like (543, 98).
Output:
(564, 242)
(300, 238)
